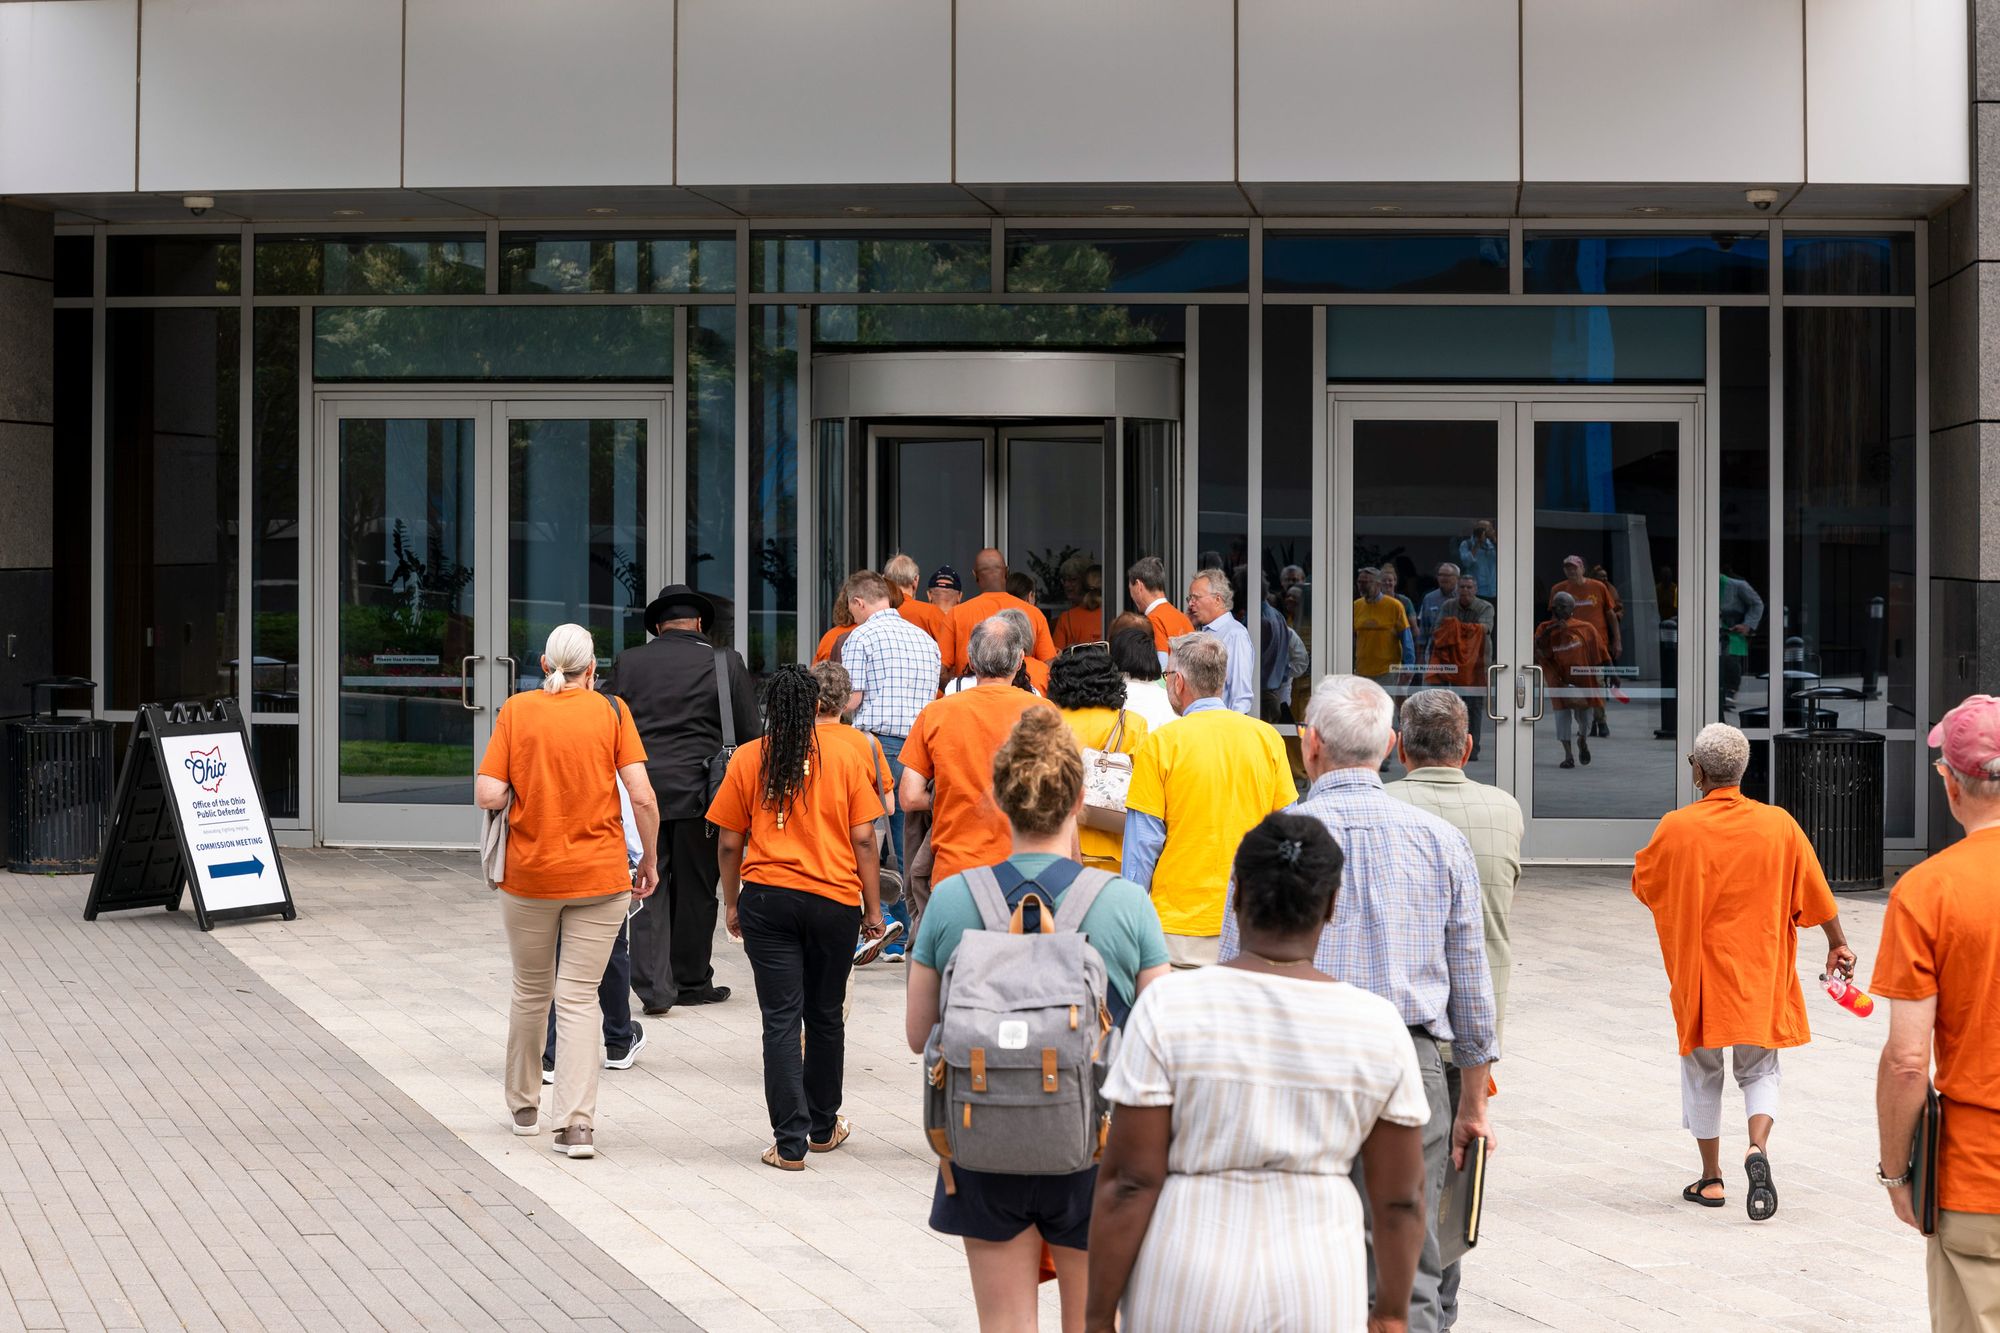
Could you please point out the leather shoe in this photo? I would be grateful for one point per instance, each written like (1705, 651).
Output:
(712, 995)
(655, 1011)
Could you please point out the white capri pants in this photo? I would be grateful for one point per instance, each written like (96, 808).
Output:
(1756, 1071)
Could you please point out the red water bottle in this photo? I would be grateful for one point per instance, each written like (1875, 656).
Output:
(1848, 995)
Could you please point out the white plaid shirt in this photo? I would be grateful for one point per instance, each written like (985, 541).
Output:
(895, 665)
(1406, 923)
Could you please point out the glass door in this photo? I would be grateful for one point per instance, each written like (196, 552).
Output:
(930, 496)
(1056, 482)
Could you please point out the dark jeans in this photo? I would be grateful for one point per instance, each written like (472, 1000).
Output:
(892, 749)
(614, 998)
(673, 939)
(801, 948)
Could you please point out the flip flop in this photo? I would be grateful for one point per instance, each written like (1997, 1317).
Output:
(1763, 1200)
(1693, 1193)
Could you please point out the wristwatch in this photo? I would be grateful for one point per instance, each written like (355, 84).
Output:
(1892, 1182)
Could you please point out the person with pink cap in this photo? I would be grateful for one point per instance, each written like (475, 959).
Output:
(1939, 968)
(1596, 604)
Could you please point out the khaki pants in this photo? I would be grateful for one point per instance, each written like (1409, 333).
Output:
(1186, 951)
(586, 928)
(1963, 1265)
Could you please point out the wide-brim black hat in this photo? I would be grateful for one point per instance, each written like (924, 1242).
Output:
(675, 596)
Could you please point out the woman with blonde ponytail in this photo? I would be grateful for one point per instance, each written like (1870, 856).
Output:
(554, 765)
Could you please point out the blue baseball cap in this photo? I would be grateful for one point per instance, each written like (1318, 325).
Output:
(946, 577)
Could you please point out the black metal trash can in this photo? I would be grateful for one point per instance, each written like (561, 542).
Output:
(60, 777)
(1832, 782)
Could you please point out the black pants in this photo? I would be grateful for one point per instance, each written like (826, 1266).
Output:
(801, 948)
(674, 938)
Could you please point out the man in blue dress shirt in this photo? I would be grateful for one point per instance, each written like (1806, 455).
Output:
(1210, 601)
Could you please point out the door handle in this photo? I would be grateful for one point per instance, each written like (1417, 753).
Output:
(1490, 692)
(513, 675)
(1541, 694)
(465, 682)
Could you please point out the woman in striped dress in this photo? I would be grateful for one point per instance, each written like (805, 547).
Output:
(1245, 1093)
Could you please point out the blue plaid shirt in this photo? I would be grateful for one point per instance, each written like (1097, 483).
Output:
(1407, 923)
(895, 666)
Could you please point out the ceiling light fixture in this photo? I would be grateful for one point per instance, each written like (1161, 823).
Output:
(1386, 208)
(859, 210)
(601, 211)
(1650, 208)
(1120, 208)
(347, 212)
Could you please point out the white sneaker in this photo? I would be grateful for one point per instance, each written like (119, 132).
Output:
(867, 950)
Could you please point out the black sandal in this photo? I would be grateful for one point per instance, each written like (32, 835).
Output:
(1763, 1200)
(1693, 1193)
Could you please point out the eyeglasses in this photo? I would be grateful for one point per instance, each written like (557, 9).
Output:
(1100, 646)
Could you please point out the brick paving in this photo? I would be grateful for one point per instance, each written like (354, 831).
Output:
(398, 956)
(182, 1148)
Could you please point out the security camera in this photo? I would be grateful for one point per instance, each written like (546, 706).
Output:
(1761, 200)
(198, 204)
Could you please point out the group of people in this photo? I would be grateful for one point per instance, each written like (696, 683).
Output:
(1309, 988)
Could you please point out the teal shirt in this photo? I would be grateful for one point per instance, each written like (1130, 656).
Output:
(1122, 925)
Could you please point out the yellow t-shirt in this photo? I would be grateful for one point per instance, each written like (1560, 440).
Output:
(1092, 728)
(1378, 635)
(1210, 778)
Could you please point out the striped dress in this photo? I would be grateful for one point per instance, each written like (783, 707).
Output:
(1274, 1082)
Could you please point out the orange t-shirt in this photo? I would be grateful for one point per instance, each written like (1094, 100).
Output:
(1169, 623)
(813, 851)
(931, 620)
(953, 744)
(561, 754)
(1569, 653)
(1597, 603)
(827, 641)
(969, 613)
(1731, 882)
(1458, 653)
(1079, 624)
(1038, 673)
(1941, 937)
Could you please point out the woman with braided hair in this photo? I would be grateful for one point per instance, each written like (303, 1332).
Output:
(795, 820)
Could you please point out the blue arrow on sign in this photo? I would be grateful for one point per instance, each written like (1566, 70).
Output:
(251, 867)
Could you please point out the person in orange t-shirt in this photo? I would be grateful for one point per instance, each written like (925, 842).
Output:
(1730, 882)
(1940, 970)
(901, 571)
(796, 819)
(1597, 605)
(1084, 621)
(553, 766)
(1146, 585)
(1572, 657)
(948, 757)
(989, 572)
(843, 625)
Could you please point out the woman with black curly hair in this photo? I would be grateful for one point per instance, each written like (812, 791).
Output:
(1088, 689)
(795, 821)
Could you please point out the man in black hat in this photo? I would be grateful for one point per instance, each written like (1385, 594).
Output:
(670, 684)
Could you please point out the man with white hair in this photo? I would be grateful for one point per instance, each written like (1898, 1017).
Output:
(1434, 603)
(1730, 882)
(1939, 942)
(1407, 926)
(1197, 788)
(1210, 601)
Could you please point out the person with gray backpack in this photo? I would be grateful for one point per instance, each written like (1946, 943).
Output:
(1019, 976)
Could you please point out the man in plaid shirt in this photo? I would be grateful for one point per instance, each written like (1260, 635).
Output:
(1407, 926)
(895, 667)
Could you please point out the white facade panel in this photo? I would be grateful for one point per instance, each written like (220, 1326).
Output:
(68, 85)
(1095, 90)
(523, 92)
(1636, 90)
(275, 95)
(1886, 94)
(778, 92)
(1378, 90)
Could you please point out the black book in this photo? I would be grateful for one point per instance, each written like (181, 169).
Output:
(1924, 1161)
(1458, 1209)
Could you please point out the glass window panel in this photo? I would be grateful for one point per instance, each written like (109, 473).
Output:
(711, 462)
(774, 488)
(75, 266)
(933, 500)
(398, 265)
(1056, 521)
(171, 517)
(1850, 513)
(1152, 503)
(850, 327)
(274, 512)
(1743, 552)
(1223, 522)
(406, 593)
(275, 751)
(944, 261)
(1389, 261)
(576, 536)
(576, 343)
(605, 263)
(1646, 263)
(1134, 261)
(1516, 344)
(173, 266)
(70, 587)
(1407, 523)
(1290, 387)
(829, 479)
(1819, 264)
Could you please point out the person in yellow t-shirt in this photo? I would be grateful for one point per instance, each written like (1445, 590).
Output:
(1086, 686)
(1382, 636)
(1197, 788)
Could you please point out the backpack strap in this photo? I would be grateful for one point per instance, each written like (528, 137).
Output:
(1083, 891)
(989, 898)
(722, 699)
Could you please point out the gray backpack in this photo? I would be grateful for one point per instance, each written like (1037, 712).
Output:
(1015, 1066)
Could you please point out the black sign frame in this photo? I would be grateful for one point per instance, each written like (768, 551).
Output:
(147, 860)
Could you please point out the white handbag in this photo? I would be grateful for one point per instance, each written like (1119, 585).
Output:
(1107, 779)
